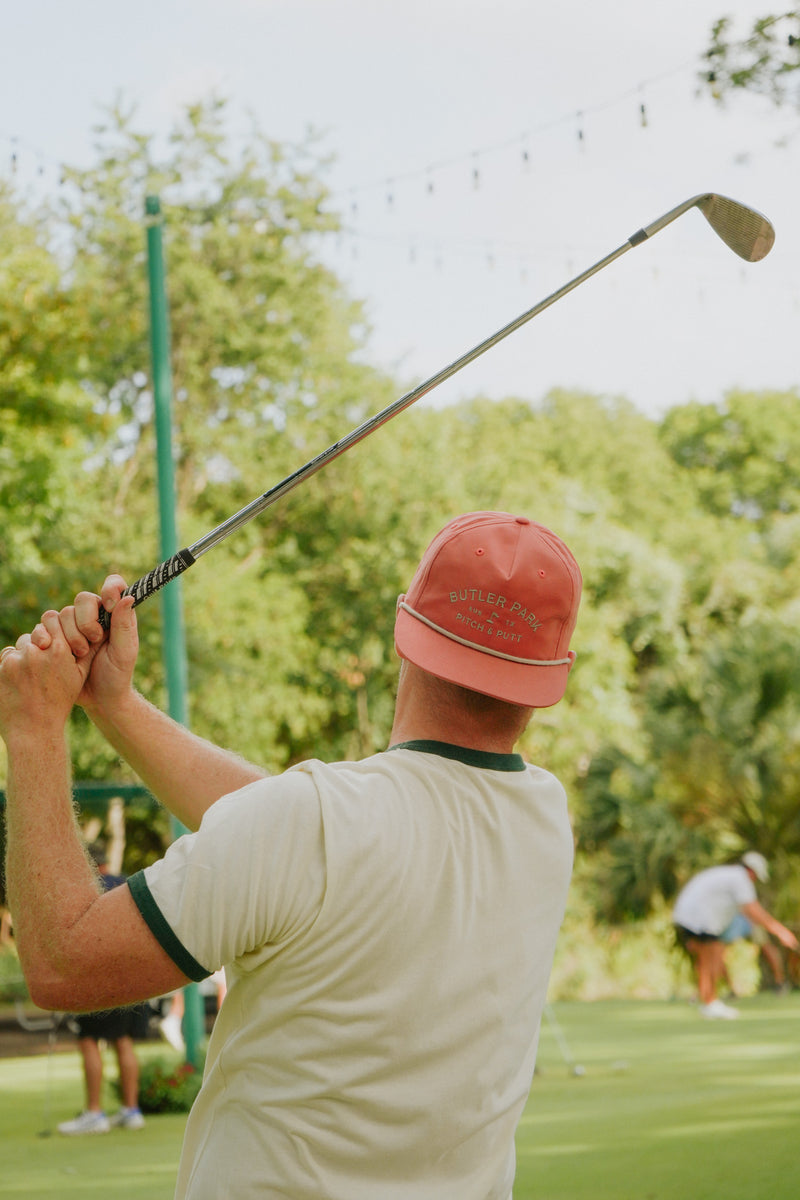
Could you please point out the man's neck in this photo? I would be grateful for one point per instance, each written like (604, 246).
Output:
(455, 735)
(419, 718)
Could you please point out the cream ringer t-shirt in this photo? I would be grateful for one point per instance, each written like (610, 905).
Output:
(387, 929)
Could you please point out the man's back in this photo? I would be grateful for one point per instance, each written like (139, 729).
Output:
(382, 1044)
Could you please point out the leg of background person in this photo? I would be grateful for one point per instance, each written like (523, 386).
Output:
(170, 1026)
(793, 968)
(128, 1072)
(710, 968)
(92, 1072)
(773, 956)
(693, 947)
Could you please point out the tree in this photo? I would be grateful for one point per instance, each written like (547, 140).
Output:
(765, 61)
(715, 767)
(264, 343)
(44, 419)
(265, 370)
(743, 454)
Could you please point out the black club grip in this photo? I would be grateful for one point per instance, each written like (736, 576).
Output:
(156, 579)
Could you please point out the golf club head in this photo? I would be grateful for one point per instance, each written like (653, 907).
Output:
(748, 233)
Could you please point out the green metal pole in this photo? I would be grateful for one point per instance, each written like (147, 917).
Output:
(174, 639)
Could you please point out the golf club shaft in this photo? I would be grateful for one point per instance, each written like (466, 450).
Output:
(397, 406)
(183, 559)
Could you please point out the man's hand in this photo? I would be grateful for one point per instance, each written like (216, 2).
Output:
(109, 659)
(39, 686)
(756, 912)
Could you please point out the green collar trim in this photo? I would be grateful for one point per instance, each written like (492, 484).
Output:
(463, 754)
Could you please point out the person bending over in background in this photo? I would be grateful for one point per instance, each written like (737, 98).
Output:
(387, 926)
(703, 912)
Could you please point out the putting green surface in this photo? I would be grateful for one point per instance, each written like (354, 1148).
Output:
(35, 1095)
(669, 1107)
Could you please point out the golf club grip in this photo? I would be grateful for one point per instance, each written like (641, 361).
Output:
(156, 579)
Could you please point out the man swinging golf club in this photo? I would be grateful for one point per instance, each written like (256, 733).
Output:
(387, 926)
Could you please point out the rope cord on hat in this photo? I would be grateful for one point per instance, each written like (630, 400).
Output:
(525, 662)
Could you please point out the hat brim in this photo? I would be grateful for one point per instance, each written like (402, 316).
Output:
(516, 683)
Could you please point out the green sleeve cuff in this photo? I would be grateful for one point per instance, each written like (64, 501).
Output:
(161, 931)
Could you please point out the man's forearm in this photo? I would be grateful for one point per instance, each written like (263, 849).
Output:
(756, 912)
(49, 879)
(184, 772)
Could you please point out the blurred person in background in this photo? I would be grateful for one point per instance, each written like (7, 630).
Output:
(705, 909)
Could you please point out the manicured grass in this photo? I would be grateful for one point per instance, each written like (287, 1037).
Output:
(670, 1108)
(137, 1165)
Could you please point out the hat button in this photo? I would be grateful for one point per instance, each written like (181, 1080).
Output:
(522, 520)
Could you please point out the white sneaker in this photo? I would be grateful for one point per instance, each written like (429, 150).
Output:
(717, 1011)
(171, 1032)
(86, 1122)
(127, 1118)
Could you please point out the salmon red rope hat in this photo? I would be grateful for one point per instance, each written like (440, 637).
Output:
(492, 607)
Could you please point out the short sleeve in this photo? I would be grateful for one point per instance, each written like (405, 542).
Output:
(745, 890)
(248, 881)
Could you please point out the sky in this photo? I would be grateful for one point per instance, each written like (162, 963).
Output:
(483, 153)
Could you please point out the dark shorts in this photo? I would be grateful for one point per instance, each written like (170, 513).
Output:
(112, 1024)
(684, 935)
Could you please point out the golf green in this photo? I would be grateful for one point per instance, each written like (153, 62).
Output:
(667, 1107)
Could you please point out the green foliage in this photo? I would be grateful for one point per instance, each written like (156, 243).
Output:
(12, 984)
(44, 416)
(742, 455)
(167, 1087)
(765, 61)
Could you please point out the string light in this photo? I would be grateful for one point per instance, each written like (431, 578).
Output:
(349, 198)
(521, 141)
(429, 172)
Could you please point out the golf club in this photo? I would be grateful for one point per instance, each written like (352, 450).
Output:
(50, 1023)
(576, 1069)
(745, 231)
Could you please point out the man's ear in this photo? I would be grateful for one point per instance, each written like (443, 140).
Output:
(571, 655)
